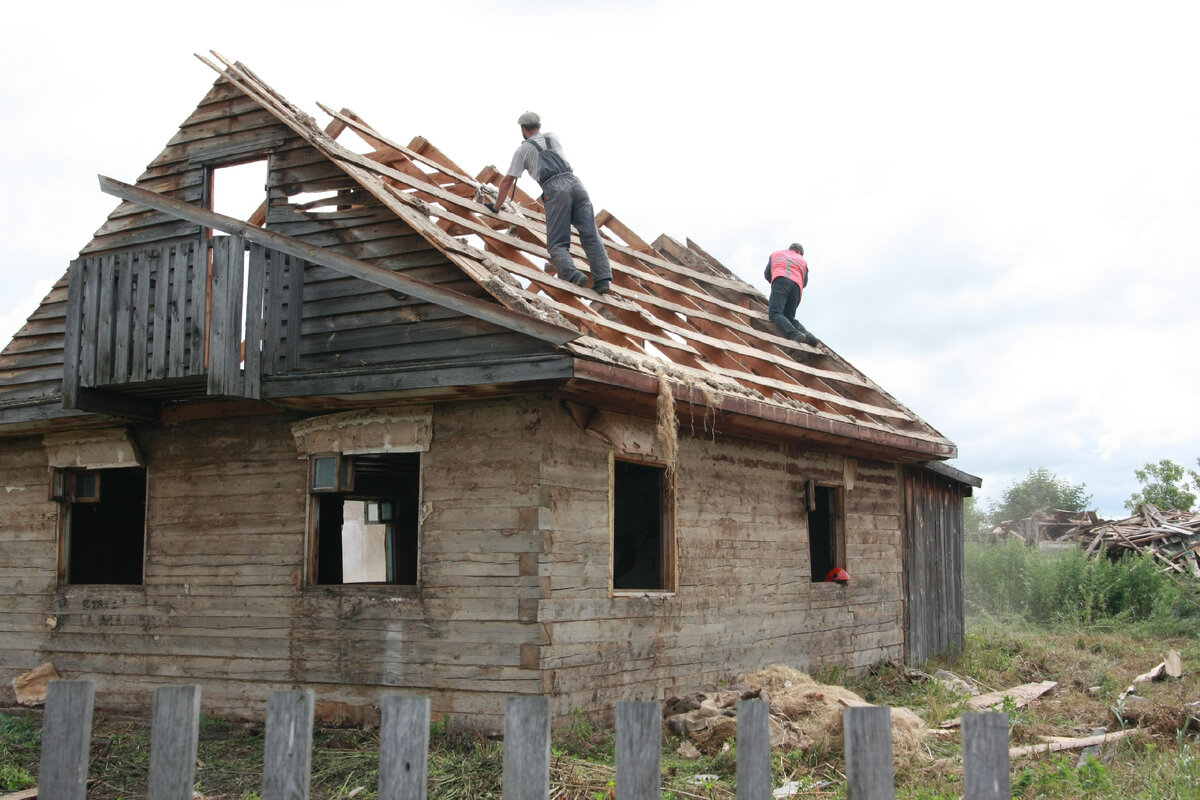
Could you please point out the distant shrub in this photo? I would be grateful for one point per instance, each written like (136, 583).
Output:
(1010, 579)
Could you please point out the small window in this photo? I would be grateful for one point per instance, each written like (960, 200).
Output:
(826, 542)
(365, 511)
(643, 547)
(104, 528)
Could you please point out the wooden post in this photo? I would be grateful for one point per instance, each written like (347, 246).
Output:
(869, 774)
(985, 756)
(753, 751)
(526, 749)
(404, 748)
(66, 736)
(287, 751)
(173, 738)
(639, 751)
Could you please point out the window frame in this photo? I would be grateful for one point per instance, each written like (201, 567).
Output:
(62, 483)
(668, 527)
(313, 524)
(838, 520)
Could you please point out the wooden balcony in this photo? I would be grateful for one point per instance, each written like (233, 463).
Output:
(170, 322)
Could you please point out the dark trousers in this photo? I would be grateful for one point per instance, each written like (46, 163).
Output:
(784, 300)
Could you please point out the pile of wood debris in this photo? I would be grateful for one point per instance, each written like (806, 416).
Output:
(1171, 537)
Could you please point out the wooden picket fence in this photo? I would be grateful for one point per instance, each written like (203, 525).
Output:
(404, 748)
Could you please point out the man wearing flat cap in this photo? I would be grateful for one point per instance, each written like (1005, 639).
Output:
(566, 201)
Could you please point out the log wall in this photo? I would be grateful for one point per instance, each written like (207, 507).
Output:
(514, 587)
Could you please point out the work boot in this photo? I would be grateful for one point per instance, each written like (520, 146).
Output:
(576, 277)
(602, 286)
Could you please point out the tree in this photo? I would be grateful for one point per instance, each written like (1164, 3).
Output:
(974, 520)
(1040, 489)
(1165, 485)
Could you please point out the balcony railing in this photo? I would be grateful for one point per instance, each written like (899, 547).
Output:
(170, 315)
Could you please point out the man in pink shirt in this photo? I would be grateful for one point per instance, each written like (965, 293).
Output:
(787, 272)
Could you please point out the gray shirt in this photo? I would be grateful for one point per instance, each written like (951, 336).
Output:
(527, 158)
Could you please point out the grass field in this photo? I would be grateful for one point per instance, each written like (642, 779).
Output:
(1089, 641)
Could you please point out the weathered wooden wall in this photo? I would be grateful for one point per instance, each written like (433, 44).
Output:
(745, 598)
(514, 593)
(934, 560)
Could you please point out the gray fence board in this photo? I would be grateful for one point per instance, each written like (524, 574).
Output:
(985, 756)
(526, 749)
(174, 736)
(66, 737)
(639, 751)
(287, 751)
(404, 748)
(753, 751)
(868, 736)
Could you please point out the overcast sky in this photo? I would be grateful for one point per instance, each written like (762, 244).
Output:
(1000, 203)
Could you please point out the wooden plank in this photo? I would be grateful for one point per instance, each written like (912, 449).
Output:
(753, 750)
(868, 738)
(296, 269)
(198, 291)
(143, 275)
(71, 334)
(159, 332)
(174, 735)
(404, 748)
(274, 294)
(104, 320)
(287, 750)
(1072, 744)
(177, 309)
(985, 756)
(91, 308)
(550, 332)
(123, 318)
(252, 373)
(66, 738)
(639, 750)
(526, 749)
(224, 343)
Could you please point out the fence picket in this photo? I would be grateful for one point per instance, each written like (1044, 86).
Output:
(985, 756)
(869, 774)
(753, 751)
(174, 735)
(66, 739)
(526, 749)
(404, 748)
(287, 751)
(639, 750)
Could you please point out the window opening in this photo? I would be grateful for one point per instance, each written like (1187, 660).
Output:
(238, 191)
(641, 531)
(104, 531)
(365, 510)
(826, 545)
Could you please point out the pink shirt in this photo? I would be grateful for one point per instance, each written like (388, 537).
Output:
(789, 264)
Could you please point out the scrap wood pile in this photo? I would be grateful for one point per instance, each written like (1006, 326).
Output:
(1046, 525)
(801, 712)
(1171, 537)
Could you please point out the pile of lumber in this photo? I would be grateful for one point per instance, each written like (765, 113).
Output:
(1046, 525)
(1171, 537)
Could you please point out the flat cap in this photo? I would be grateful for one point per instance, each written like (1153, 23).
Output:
(529, 119)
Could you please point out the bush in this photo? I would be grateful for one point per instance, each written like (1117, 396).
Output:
(1010, 579)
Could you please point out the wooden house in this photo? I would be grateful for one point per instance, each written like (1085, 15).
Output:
(364, 440)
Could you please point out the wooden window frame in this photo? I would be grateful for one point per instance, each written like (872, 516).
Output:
(668, 533)
(838, 534)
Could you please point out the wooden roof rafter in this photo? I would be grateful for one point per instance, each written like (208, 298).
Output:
(674, 307)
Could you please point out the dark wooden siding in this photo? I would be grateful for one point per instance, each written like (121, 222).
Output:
(934, 559)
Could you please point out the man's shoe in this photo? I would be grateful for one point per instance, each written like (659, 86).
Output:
(603, 286)
(576, 277)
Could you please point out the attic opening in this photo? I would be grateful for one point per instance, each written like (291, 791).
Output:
(238, 191)
(826, 537)
(642, 556)
(104, 529)
(365, 518)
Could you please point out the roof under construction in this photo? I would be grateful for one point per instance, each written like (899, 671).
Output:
(674, 314)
